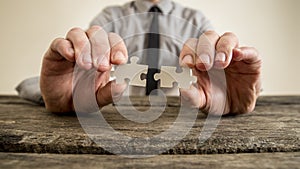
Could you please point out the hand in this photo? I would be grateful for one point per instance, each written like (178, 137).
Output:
(93, 49)
(210, 57)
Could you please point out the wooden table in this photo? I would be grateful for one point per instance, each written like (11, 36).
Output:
(269, 137)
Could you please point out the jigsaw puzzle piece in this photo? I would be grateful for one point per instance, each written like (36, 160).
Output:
(168, 76)
(165, 76)
(131, 71)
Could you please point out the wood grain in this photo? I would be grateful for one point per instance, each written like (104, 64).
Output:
(273, 127)
(218, 161)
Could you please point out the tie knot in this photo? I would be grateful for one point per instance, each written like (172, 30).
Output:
(155, 9)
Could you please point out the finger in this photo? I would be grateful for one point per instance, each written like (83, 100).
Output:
(81, 47)
(64, 48)
(188, 52)
(224, 48)
(247, 54)
(206, 50)
(110, 92)
(118, 52)
(100, 48)
(193, 97)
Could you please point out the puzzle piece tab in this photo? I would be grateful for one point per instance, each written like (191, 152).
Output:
(132, 71)
(168, 76)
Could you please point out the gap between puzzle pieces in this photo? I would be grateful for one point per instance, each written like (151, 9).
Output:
(168, 75)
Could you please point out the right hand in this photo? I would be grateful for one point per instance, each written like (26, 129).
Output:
(91, 49)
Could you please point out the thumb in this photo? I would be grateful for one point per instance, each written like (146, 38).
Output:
(193, 97)
(110, 92)
(247, 54)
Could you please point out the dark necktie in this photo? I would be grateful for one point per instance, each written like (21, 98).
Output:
(153, 51)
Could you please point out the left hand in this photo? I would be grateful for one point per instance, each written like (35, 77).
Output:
(210, 57)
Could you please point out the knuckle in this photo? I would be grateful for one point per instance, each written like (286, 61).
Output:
(191, 41)
(57, 44)
(115, 40)
(97, 41)
(229, 34)
(211, 32)
(210, 37)
(81, 49)
(224, 44)
(113, 35)
(256, 52)
(96, 27)
(98, 38)
(191, 44)
(56, 40)
(93, 30)
(81, 44)
(75, 30)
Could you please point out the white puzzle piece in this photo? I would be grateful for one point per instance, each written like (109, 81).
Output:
(168, 76)
(131, 71)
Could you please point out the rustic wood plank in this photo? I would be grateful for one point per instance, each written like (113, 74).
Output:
(273, 127)
(237, 161)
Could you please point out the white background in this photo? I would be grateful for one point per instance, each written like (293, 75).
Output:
(272, 26)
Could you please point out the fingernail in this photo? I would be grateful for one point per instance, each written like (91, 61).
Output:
(119, 56)
(188, 59)
(221, 57)
(205, 58)
(87, 59)
(103, 61)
